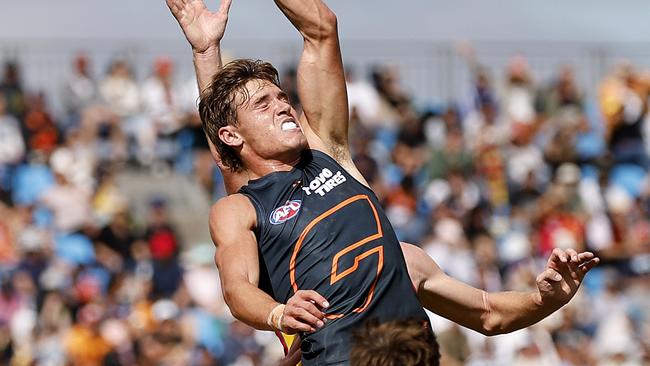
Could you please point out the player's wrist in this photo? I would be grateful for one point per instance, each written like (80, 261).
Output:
(208, 53)
(537, 299)
(274, 320)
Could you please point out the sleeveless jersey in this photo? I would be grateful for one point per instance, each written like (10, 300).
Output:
(320, 229)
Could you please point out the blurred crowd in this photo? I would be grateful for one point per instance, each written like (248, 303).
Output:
(488, 184)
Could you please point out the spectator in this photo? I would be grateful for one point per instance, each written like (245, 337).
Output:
(120, 91)
(79, 89)
(12, 89)
(41, 132)
(162, 107)
(12, 147)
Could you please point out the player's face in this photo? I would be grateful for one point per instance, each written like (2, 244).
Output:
(268, 124)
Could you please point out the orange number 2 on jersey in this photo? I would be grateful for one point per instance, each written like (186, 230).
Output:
(335, 275)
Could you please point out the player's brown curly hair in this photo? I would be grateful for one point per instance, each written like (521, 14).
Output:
(394, 343)
(218, 104)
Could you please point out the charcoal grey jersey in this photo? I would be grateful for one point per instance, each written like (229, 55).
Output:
(320, 229)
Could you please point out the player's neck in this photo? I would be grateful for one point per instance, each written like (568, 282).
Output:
(260, 167)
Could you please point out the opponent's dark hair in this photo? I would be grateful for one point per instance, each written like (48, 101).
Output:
(395, 343)
(218, 104)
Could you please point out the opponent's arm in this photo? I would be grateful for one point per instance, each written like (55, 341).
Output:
(321, 79)
(232, 221)
(501, 312)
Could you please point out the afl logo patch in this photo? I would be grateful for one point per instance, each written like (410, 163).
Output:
(285, 213)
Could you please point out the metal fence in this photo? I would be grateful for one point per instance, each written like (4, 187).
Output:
(433, 72)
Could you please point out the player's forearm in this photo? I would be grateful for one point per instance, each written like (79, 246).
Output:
(487, 313)
(313, 19)
(249, 304)
(206, 65)
(510, 311)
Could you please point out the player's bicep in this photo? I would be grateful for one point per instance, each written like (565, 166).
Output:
(232, 221)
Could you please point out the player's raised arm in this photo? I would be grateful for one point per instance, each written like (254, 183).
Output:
(321, 79)
(204, 30)
(497, 312)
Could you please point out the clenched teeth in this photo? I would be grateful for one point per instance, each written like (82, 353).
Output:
(289, 125)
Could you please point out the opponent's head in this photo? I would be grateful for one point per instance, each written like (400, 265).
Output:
(245, 114)
(394, 343)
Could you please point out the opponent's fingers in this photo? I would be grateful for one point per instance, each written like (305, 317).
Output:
(314, 296)
(295, 345)
(293, 356)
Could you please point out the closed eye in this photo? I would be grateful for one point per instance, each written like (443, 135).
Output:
(262, 102)
(283, 97)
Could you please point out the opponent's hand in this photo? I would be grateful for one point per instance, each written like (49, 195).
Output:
(304, 312)
(202, 28)
(563, 275)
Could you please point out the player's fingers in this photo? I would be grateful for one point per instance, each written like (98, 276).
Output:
(312, 309)
(558, 256)
(292, 325)
(568, 269)
(173, 6)
(549, 275)
(314, 296)
(585, 256)
(573, 255)
(306, 317)
(587, 266)
(224, 8)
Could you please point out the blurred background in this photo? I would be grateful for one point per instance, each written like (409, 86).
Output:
(492, 134)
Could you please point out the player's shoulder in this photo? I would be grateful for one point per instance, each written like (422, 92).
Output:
(231, 209)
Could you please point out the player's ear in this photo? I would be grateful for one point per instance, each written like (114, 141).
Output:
(230, 136)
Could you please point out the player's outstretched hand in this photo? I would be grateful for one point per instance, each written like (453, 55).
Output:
(563, 275)
(304, 312)
(202, 28)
